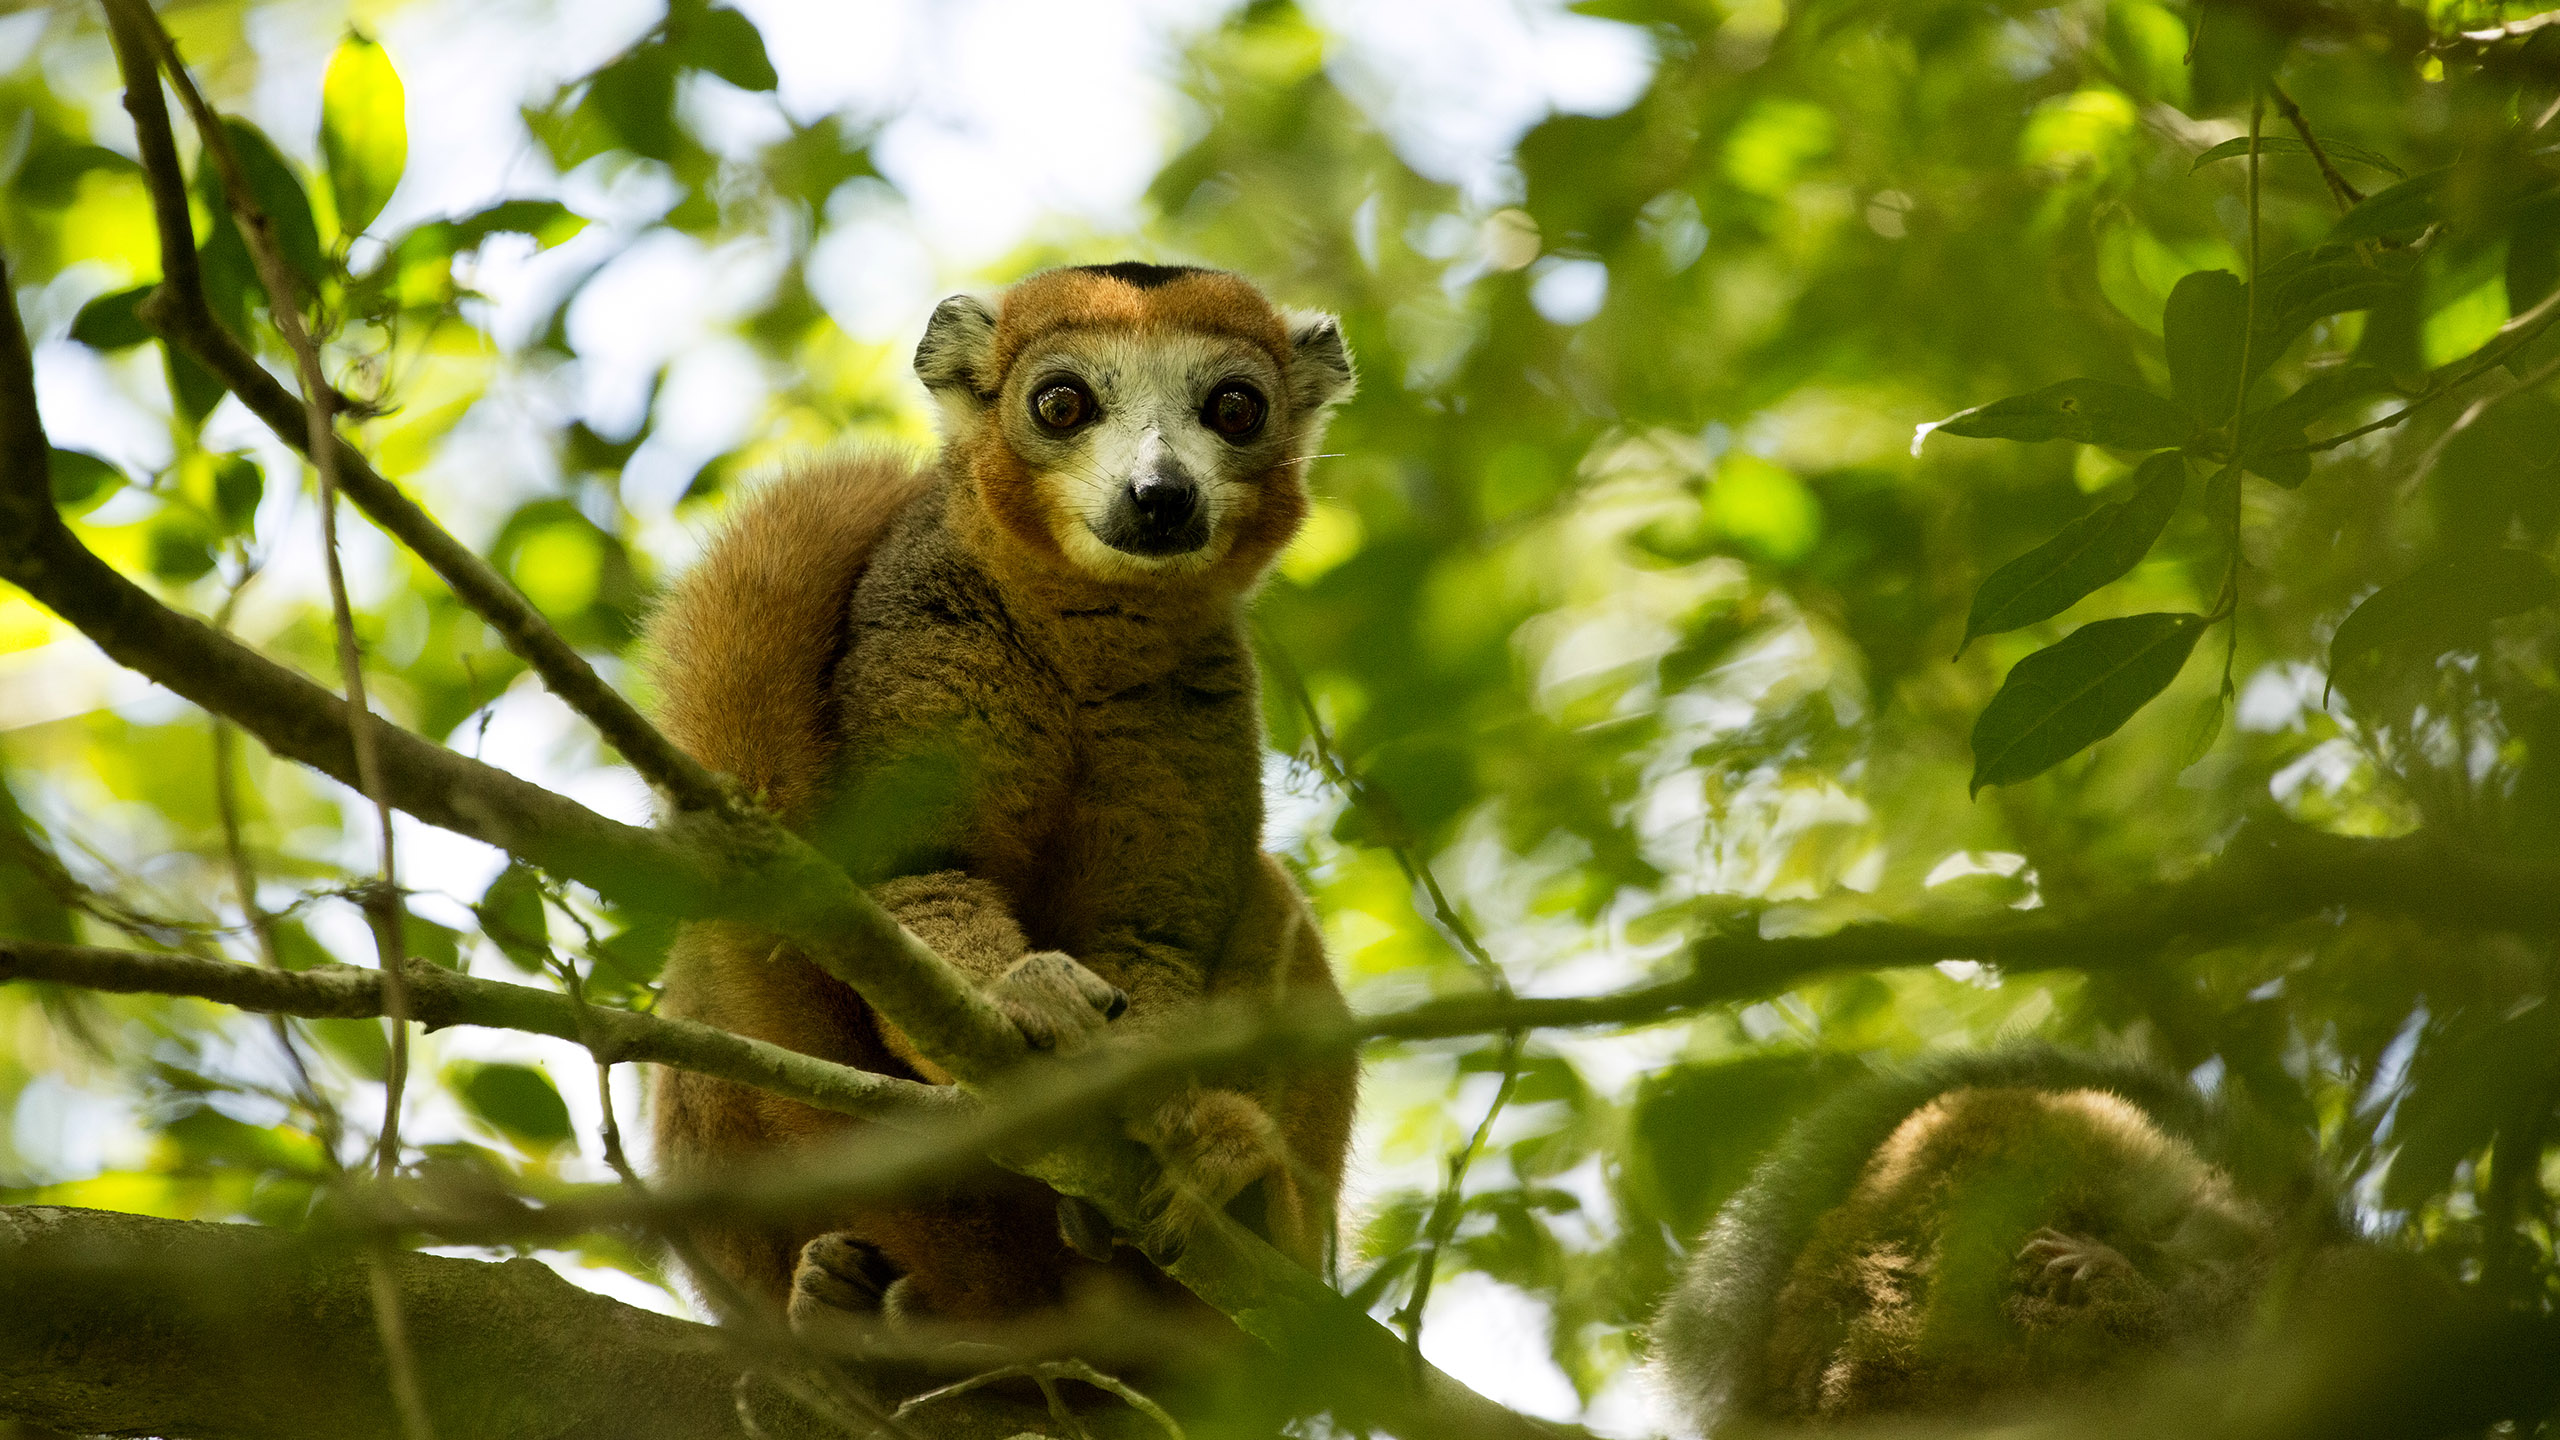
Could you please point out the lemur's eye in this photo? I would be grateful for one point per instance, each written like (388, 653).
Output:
(1234, 410)
(1061, 406)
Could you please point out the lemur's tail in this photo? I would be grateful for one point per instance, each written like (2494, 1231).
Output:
(742, 648)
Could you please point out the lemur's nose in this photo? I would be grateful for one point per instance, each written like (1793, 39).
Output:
(1164, 499)
(1163, 493)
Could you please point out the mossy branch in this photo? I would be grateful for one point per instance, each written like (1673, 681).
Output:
(440, 997)
(127, 1325)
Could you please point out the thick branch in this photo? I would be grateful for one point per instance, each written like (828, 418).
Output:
(2268, 877)
(439, 997)
(177, 309)
(125, 1325)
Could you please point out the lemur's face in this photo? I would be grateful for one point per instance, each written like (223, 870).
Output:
(1142, 427)
(1144, 444)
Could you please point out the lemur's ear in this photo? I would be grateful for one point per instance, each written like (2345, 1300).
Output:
(952, 357)
(1319, 363)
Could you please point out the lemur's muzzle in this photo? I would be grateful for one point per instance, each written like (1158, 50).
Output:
(1157, 513)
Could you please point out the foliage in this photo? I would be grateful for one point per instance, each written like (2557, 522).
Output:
(1671, 488)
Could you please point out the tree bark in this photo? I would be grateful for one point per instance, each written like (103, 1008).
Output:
(115, 1324)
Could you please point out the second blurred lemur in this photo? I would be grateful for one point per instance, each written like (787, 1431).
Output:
(1011, 694)
(1986, 1229)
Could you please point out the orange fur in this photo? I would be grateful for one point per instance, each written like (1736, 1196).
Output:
(741, 651)
(1020, 759)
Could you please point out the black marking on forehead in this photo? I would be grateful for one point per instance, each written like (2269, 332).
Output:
(1141, 274)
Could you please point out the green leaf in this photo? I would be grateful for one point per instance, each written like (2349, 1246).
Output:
(193, 390)
(2273, 434)
(364, 131)
(426, 940)
(2325, 391)
(2533, 272)
(2236, 49)
(79, 478)
(2310, 284)
(2404, 209)
(726, 44)
(548, 221)
(2287, 145)
(516, 1100)
(511, 915)
(636, 96)
(2095, 411)
(278, 192)
(238, 486)
(2207, 727)
(2206, 327)
(110, 322)
(178, 546)
(2091, 551)
(2431, 609)
(2067, 697)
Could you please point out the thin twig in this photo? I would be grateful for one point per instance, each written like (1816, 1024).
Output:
(2347, 196)
(1450, 1203)
(441, 997)
(2511, 337)
(1045, 1373)
(2227, 606)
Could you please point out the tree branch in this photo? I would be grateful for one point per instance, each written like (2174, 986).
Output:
(2267, 877)
(707, 865)
(178, 312)
(122, 1324)
(440, 997)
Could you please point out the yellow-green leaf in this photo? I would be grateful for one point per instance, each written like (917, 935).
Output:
(364, 132)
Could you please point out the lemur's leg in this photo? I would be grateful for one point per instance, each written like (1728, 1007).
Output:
(1265, 1145)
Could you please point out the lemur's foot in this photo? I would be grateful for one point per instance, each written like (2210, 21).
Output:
(1214, 1145)
(838, 1276)
(1056, 1002)
(2074, 1269)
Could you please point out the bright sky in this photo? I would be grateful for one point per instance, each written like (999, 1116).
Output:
(1010, 115)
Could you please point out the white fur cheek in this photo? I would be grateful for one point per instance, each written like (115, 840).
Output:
(958, 416)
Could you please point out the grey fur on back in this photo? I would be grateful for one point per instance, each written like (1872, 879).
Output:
(1709, 1341)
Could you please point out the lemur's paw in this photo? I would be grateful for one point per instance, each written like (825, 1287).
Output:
(1055, 1001)
(2072, 1268)
(1215, 1144)
(838, 1276)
